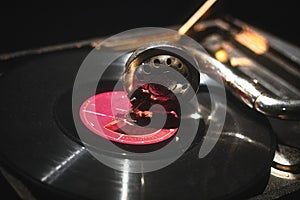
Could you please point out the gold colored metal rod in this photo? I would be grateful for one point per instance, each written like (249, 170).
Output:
(196, 16)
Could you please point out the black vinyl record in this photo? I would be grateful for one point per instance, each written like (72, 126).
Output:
(39, 141)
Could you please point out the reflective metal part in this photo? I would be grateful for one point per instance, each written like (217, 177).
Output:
(284, 109)
(286, 163)
(245, 90)
(154, 61)
(253, 94)
(259, 84)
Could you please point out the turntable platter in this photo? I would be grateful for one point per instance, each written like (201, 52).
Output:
(40, 145)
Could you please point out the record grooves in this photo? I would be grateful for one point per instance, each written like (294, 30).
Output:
(40, 141)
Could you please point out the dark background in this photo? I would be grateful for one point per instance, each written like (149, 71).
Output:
(44, 23)
(40, 24)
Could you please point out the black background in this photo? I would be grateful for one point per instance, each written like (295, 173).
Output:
(45, 23)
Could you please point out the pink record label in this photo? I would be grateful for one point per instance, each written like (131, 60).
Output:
(102, 114)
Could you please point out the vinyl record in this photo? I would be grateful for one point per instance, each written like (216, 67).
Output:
(40, 143)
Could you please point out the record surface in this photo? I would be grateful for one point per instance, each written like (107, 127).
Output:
(39, 141)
